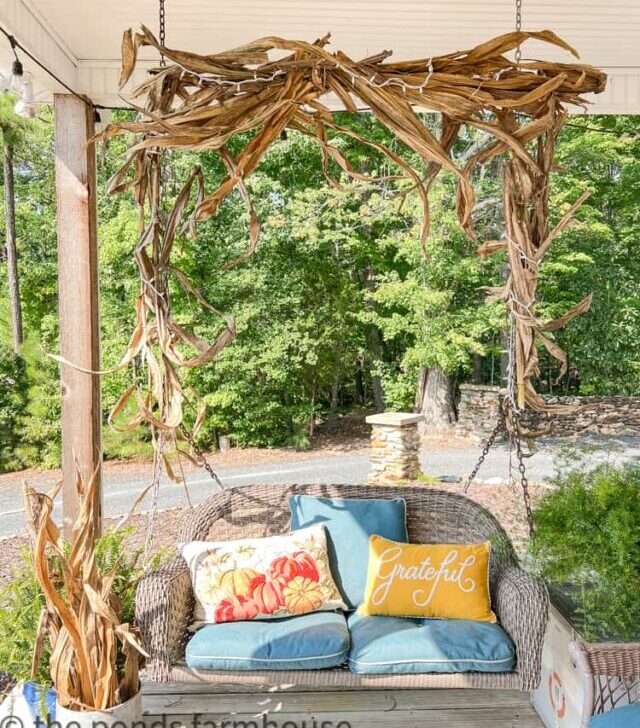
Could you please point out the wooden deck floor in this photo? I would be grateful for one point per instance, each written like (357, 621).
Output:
(175, 705)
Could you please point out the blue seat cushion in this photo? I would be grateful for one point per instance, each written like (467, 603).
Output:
(627, 716)
(399, 645)
(308, 642)
(349, 522)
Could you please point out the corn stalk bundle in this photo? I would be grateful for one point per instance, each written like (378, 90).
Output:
(94, 658)
(199, 102)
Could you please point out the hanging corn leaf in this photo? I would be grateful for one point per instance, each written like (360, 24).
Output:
(199, 102)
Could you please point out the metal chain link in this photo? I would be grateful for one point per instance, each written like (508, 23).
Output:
(487, 447)
(203, 460)
(163, 30)
(518, 28)
(514, 435)
(524, 482)
(155, 492)
(511, 359)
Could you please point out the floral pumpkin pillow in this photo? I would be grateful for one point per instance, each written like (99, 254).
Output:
(262, 578)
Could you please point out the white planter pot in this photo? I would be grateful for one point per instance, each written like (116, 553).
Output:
(125, 713)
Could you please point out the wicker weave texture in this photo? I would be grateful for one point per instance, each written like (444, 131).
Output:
(273, 681)
(610, 675)
(164, 601)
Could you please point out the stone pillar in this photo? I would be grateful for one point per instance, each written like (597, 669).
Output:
(395, 447)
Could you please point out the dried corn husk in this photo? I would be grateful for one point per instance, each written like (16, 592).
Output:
(82, 616)
(200, 102)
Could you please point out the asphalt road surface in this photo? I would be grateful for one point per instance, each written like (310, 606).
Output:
(121, 491)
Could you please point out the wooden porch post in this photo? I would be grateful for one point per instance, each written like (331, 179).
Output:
(78, 298)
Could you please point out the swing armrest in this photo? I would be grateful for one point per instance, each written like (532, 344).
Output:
(602, 668)
(522, 605)
(164, 609)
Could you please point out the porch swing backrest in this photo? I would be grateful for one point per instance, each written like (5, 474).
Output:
(165, 600)
(433, 516)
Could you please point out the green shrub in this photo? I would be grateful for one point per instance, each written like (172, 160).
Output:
(587, 541)
(21, 602)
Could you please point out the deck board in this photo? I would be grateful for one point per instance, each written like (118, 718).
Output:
(429, 708)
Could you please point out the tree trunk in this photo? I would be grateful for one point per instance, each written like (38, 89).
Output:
(12, 253)
(476, 376)
(375, 349)
(360, 395)
(420, 388)
(436, 399)
(375, 344)
(333, 406)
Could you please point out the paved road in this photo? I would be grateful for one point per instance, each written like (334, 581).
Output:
(119, 494)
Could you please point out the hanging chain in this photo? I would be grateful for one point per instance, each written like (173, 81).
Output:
(511, 358)
(203, 460)
(518, 28)
(155, 493)
(163, 31)
(514, 436)
(488, 445)
(524, 482)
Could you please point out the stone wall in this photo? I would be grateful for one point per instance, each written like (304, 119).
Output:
(477, 410)
(478, 414)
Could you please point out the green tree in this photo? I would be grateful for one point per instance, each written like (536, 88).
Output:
(598, 254)
(430, 305)
(13, 129)
(338, 308)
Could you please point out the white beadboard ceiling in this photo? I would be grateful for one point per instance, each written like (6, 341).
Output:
(607, 32)
(87, 33)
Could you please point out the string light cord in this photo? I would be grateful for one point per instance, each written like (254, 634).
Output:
(16, 44)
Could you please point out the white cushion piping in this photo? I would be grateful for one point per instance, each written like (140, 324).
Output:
(429, 662)
(266, 659)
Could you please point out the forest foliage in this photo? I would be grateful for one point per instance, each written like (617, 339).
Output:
(338, 308)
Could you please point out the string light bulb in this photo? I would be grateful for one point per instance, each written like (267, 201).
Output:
(12, 80)
(26, 105)
(20, 82)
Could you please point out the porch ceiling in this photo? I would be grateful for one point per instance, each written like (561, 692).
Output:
(80, 39)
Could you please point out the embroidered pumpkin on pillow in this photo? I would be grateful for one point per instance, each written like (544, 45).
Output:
(236, 610)
(262, 578)
(302, 595)
(237, 582)
(267, 594)
(301, 563)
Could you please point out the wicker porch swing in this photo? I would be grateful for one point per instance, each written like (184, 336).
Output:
(200, 102)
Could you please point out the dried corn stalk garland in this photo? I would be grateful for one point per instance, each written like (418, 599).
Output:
(94, 659)
(200, 102)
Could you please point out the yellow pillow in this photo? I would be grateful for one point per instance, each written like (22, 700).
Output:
(443, 581)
